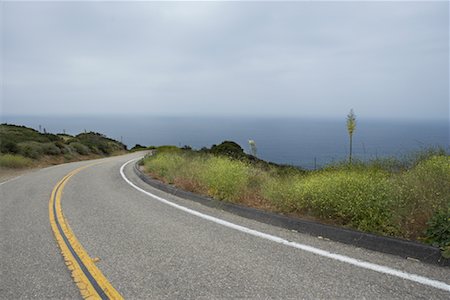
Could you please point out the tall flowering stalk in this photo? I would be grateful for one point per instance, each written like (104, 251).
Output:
(351, 125)
(253, 148)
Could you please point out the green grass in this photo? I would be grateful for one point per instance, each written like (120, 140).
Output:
(388, 196)
(15, 161)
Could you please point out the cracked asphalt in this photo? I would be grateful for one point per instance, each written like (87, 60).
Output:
(149, 250)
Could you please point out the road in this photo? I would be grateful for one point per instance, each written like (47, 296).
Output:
(149, 249)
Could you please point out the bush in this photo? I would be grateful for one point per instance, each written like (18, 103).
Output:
(104, 148)
(15, 161)
(31, 149)
(9, 147)
(60, 145)
(50, 149)
(438, 231)
(228, 148)
(138, 147)
(80, 148)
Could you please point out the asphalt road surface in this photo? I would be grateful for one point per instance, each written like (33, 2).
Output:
(151, 250)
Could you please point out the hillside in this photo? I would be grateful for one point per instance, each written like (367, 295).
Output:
(22, 146)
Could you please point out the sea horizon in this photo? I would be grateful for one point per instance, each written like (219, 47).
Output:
(306, 142)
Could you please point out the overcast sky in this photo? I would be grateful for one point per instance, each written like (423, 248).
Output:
(384, 59)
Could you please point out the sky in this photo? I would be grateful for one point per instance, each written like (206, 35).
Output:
(283, 59)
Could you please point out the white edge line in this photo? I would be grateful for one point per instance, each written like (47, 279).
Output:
(9, 180)
(342, 258)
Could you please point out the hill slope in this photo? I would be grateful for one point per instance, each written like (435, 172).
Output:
(21, 146)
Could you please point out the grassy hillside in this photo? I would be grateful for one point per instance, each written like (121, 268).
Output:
(21, 146)
(405, 198)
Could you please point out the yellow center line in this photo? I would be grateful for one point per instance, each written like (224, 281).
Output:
(89, 279)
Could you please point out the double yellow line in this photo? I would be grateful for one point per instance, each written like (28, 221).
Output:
(89, 279)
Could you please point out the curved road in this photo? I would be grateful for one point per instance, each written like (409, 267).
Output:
(148, 249)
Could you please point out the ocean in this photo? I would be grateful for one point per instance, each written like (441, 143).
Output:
(302, 142)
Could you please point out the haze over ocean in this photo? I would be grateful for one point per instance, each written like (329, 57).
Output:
(295, 67)
(283, 140)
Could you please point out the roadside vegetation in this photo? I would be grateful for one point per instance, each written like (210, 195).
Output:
(15, 161)
(139, 147)
(23, 147)
(407, 198)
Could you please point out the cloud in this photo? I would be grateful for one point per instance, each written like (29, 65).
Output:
(384, 59)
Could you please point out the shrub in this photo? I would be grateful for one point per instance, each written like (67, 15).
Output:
(31, 149)
(104, 148)
(80, 148)
(95, 150)
(50, 149)
(60, 145)
(138, 147)
(228, 148)
(9, 147)
(438, 231)
(15, 161)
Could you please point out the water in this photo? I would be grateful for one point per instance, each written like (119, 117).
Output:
(281, 140)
